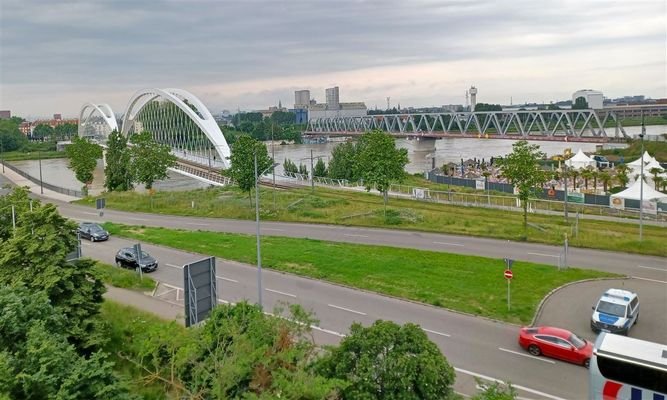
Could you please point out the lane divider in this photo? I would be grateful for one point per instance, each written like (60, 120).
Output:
(346, 309)
(526, 389)
(281, 293)
(450, 244)
(436, 333)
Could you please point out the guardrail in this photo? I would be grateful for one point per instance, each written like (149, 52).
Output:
(54, 188)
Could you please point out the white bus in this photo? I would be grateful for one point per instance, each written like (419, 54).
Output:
(624, 368)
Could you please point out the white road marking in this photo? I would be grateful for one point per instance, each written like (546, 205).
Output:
(450, 244)
(317, 328)
(174, 266)
(647, 279)
(544, 255)
(279, 292)
(196, 223)
(488, 378)
(351, 235)
(226, 279)
(91, 213)
(657, 269)
(527, 355)
(346, 309)
(436, 333)
(273, 229)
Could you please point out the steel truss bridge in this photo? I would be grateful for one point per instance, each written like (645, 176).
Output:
(554, 125)
(174, 117)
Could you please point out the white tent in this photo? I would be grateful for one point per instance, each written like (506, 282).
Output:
(633, 193)
(580, 161)
(647, 159)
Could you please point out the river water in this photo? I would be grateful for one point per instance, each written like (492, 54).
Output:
(420, 154)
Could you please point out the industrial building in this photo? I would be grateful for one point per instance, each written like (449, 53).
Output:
(333, 108)
(594, 98)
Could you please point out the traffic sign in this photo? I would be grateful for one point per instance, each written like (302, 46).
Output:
(508, 274)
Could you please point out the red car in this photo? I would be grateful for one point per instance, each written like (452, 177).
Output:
(556, 343)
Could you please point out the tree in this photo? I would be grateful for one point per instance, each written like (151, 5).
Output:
(659, 181)
(522, 169)
(343, 160)
(606, 178)
(379, 162)
(11, 137)
(117, 171)
(622, 174)
(242, 170)
(587, 174)
(65, 131)
(303, 170)
(290, 167)
(574, 174)
(42, 131)
(488, 107)
(580, 103)
(389, 361)
(496, 391)
(149, 160)
(655, 171)
(320, 168)
(83, 156)
(283, 117)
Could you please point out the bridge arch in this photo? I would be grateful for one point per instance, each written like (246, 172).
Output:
(179, 119)
(96, 121)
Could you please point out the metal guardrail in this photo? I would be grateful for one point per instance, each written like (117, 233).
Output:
(208, 175)
(54, 188)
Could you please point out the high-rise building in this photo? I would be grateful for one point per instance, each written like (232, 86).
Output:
(301, 99)
(333, 99)
(473, 97)
(5, 114)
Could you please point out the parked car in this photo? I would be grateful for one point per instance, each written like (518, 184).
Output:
(556, 343)
(127, 257)
(92, 232)
(601, 162)
(616, 311)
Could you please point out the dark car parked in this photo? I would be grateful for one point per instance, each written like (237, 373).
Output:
(92, 232)
(127, 257)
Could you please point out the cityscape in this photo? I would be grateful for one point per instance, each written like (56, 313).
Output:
(359, 200)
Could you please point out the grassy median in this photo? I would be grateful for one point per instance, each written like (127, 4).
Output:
(463, 283)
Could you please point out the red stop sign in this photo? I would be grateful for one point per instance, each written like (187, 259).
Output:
(508, 274)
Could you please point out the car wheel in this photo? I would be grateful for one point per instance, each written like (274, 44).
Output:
(92, 239)
(534, 350)
(636, 319)
(119, 264)
(587, 363)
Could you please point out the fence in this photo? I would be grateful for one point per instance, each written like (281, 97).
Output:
(69, 192)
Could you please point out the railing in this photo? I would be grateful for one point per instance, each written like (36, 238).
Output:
(204, 174)
(69, 192)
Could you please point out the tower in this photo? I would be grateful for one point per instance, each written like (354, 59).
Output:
(388, 102)
(473, 97)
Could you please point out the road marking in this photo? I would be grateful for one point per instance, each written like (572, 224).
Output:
(273, 229)
(527, 355)
(351, 235)
(174, 266)
(346, 309)
(488, 378)
(136, 219)
(195, 223)
(544, 255)
(226, 279)
(330, 332)
(450, 244)
(436, 333)
(657, 269)
(91, 213)
(647, 279)
(279, 292)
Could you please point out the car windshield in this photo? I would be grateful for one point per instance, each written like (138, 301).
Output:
(577, 341)
(611, 308)
(144, 254)
(95, 228)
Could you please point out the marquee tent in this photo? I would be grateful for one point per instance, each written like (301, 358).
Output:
(580, 161)
(633, 193)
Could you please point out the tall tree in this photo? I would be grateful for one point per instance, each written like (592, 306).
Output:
(320, 168)
(521, 168)
(388, 361)
(42, 131)
(580, 103)
(343, 160)
(65, 131)
(83, 156)
(117, 171)
(11, 137)
(622, 174)
(150, 160)
(379, 162)
(605, 178)
(242, 170)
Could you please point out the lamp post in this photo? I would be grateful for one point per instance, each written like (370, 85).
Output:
(259, 257)
(641, 182)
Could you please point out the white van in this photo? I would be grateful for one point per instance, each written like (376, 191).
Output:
(616, 311)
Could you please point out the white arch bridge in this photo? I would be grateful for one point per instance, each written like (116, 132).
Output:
(174, 117)
(553, 125)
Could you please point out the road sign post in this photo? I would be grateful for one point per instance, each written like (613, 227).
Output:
(137, 249)
(508, 274)
(100, 204)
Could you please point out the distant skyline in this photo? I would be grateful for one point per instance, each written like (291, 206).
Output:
(57, 55)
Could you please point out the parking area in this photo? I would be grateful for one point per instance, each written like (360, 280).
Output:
(570, 307)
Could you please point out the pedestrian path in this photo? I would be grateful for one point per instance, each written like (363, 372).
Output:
(18, 180)
(163, 309)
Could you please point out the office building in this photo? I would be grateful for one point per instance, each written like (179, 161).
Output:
(333, 99)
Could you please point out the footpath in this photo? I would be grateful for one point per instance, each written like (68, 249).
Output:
(145, 302)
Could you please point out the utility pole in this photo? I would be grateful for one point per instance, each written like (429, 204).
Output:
(565, 191)
(641, 182)
(312, 172)
(273, 160)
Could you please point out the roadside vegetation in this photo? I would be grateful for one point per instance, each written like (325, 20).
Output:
(469, 284)
(122, 278)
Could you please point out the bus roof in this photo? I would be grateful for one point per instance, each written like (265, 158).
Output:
(632, 350)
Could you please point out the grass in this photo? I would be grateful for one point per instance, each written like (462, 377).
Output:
(469, 284)
(21, 155)
(340, 207)
(123, 278)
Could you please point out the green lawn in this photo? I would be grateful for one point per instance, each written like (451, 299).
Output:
(327, 206)
(123, 278)
(469, 284)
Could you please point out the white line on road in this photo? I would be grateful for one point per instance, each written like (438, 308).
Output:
(196, 224)
(544, 255)
(317, 328)
(279, 292)
(488, 378)
(273, 229)
(657, 269)
(174, 266)
(91, 213)
(450, 244)
(226, 279)
(346, 309)
(527, 355)
(647, 279)
(436, 333)
(351, 235)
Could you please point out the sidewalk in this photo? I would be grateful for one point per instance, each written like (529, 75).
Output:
(143, 302)
(18, 180)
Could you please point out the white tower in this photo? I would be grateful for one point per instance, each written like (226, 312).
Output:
(473, 97)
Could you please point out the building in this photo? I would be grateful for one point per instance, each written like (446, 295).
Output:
(636, 111)
(473, 97)
(301, 99)
(594, 98)
(5, 114)
(269, 111)
(357, 109)
(333, 99)
(27, 127)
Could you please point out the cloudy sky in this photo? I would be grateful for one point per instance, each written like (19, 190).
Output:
(55, 55)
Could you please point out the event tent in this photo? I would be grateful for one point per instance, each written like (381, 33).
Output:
(633, 193)
(580, 161)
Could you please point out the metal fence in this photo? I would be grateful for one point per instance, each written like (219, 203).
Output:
(69, 192)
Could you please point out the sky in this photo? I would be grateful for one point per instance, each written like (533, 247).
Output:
(55, 55)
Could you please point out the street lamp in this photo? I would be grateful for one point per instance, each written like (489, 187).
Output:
(641, 182)
(259, 257)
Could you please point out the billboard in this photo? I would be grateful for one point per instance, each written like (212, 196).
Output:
(201, 292)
